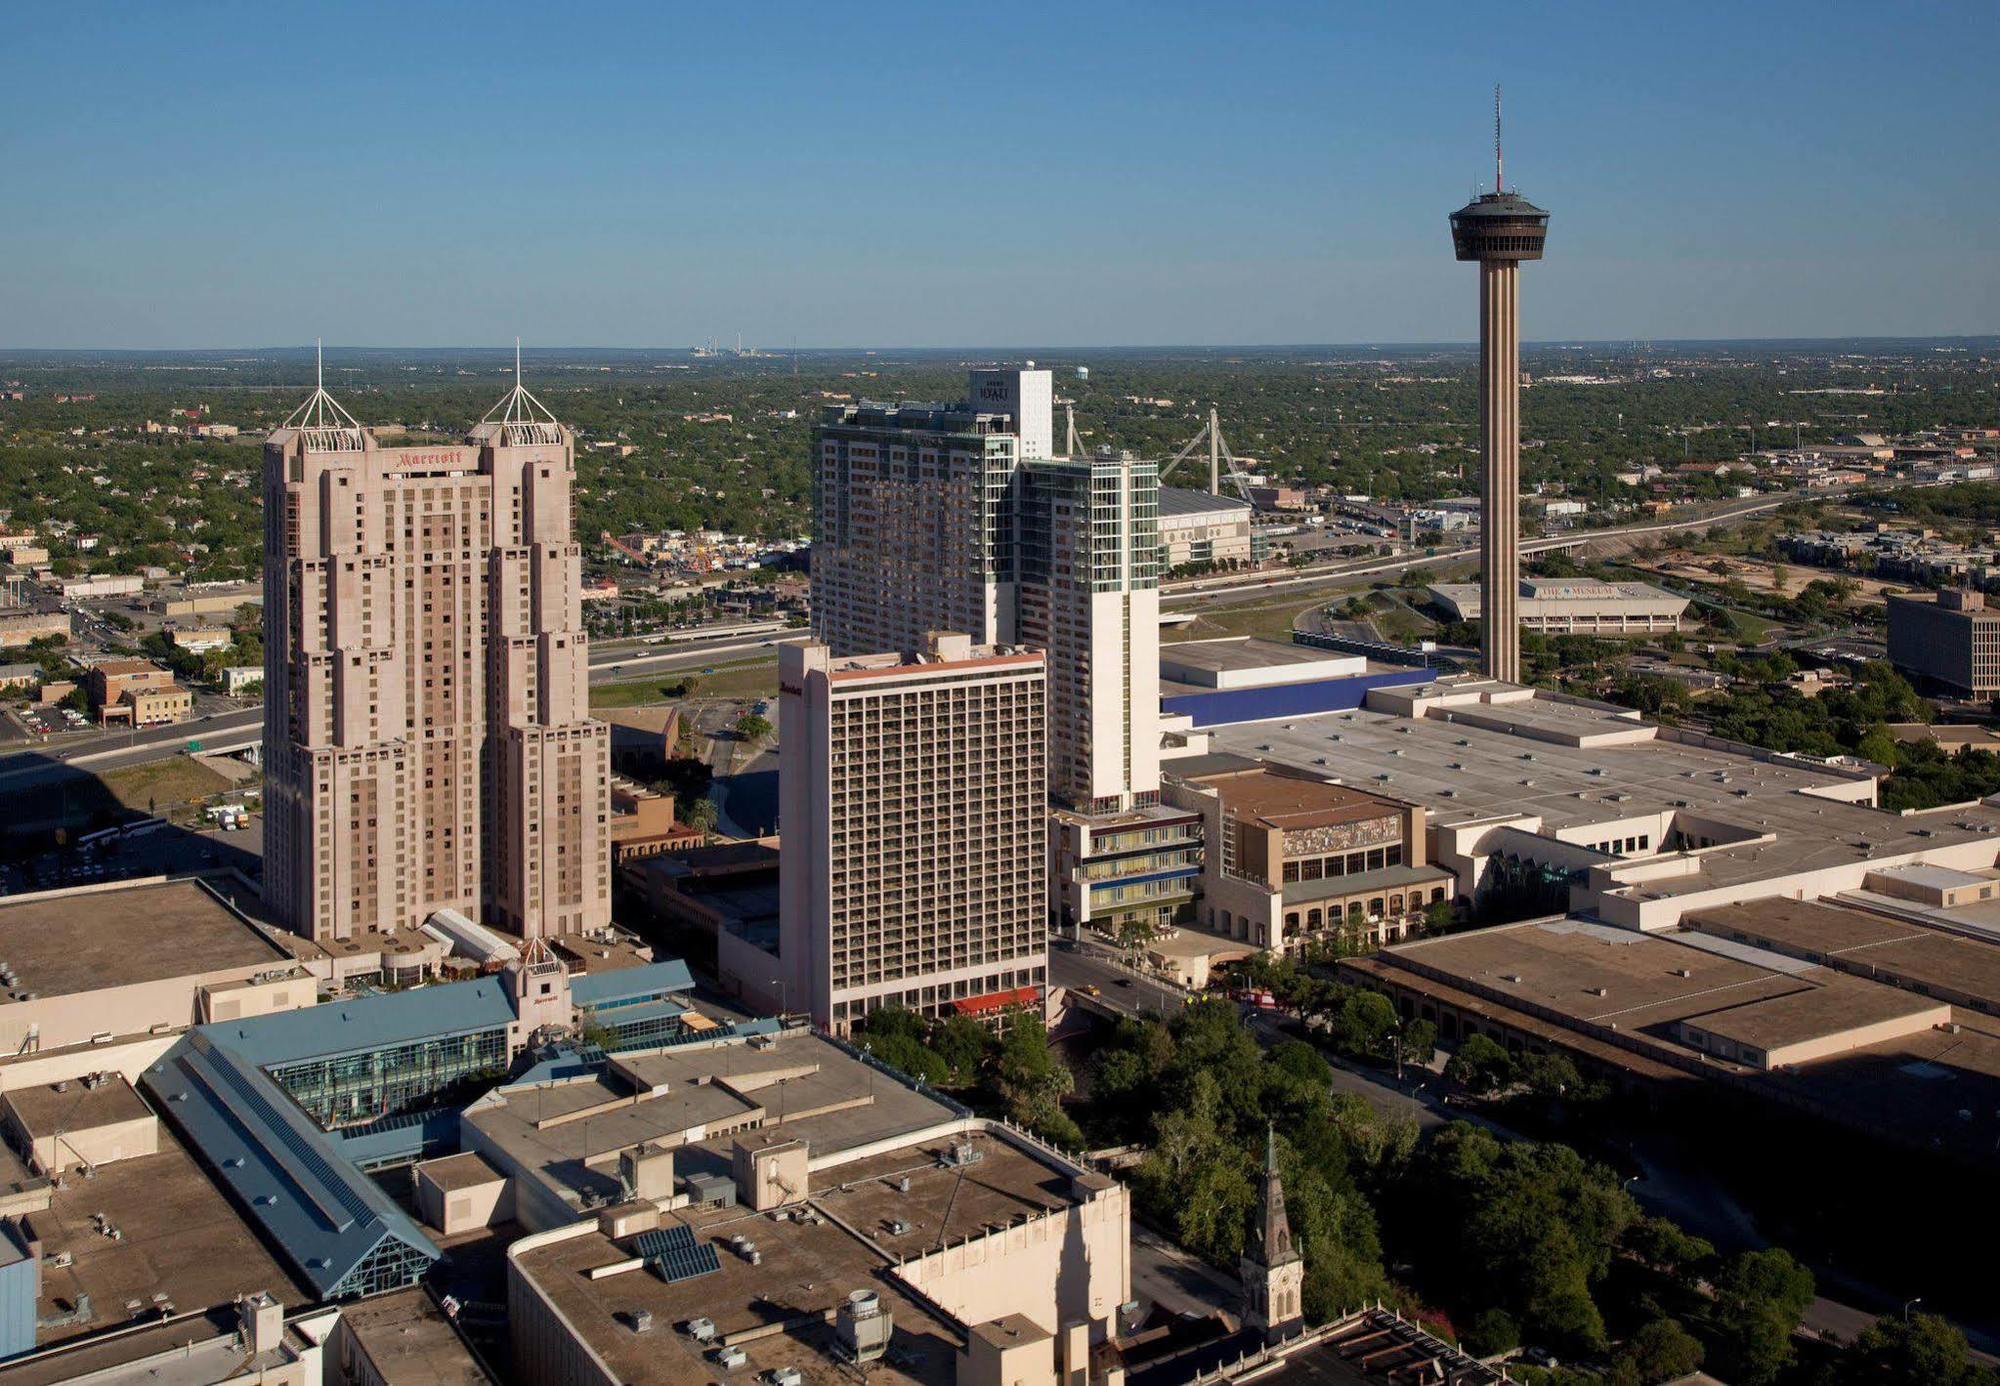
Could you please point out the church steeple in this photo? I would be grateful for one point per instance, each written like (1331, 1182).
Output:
(1271, 1269)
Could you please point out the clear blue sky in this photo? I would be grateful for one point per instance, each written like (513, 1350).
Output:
(1006, 174)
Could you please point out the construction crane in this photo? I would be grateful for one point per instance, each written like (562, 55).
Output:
(1218, 453)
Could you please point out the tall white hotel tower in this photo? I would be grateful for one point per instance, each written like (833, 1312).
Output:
(956, 517)
(959, 517)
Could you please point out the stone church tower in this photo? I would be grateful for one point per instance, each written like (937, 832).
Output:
(1271, 1269)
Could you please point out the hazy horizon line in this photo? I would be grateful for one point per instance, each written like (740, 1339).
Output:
(756, 352)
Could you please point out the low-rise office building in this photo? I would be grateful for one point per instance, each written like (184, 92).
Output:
(642, 823)
(728, 889)
(1950, 641)
(105, 585)
(1571, 606)
(1126, 874)
(22, 627)
(110, 679)
(201, 639)
(150, 707)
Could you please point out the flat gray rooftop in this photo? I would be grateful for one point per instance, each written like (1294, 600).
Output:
(79, 941)
(806, 1270)
(1245, 653)
(1945, 963)
(801, 1085)
(180, 1238)
(1498, 761)
(1179, 500)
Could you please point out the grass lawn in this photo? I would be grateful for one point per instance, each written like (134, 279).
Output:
(1272, 619)
(163, 783)
(757, 678)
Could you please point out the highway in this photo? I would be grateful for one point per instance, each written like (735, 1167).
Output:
(1210, 589)
(242, 727)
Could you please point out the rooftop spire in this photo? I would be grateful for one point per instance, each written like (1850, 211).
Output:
(1271, 1234)
(523, 419)
(328, 427)
(1498, 187)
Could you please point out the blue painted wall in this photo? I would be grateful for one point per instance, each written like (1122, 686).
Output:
(1227, 705)
(19, 1278)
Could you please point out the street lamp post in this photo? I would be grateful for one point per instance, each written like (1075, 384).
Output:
(1909, 1305)
(784, 1007)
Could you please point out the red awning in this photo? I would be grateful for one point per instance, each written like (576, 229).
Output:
(997, 1001)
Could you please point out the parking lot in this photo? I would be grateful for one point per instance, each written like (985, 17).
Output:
(163, 851)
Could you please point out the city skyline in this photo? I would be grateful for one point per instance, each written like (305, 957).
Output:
(1288, 207)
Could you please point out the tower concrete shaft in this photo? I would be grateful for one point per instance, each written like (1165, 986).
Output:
(1500, 455)
(1499, 230)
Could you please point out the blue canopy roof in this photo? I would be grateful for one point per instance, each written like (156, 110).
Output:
(369, 1022)
(622, 984)
(327, 1217)
(295, 1180)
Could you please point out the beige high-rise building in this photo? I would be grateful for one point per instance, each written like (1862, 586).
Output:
(913, 793)
(427, 736)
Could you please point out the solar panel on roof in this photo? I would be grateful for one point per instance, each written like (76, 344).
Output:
(665, 1240)
(686, 1263)
(674, 1254)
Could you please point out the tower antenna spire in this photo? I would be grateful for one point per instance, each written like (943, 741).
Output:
(1498, 187)
(523, 419)
(328, 427)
